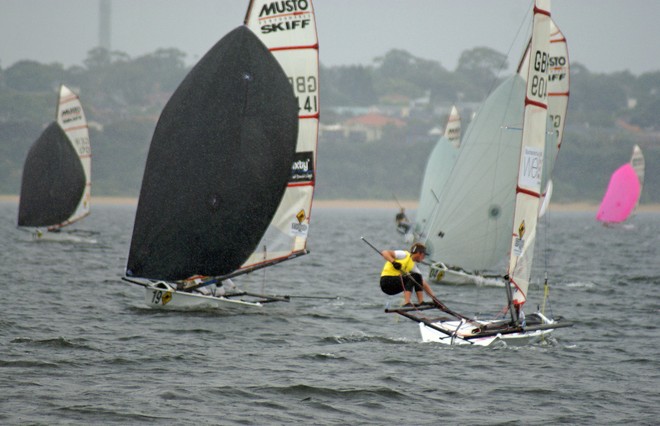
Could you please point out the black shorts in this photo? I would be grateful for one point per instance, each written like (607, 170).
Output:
(396, 284)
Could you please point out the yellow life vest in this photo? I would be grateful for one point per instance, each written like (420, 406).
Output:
(407, 265)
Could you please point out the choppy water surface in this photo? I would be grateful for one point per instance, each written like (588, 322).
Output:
(79, 347)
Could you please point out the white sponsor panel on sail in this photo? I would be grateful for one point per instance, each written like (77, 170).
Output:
(283, 23)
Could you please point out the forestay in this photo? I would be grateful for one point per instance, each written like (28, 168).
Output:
(288, 29)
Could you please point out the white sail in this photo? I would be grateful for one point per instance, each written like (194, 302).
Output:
(531, 156)
(288, 29)
(71, 118)
(637, 162)
(558, 94)
(471, 226)
(453, 128)
(438, 169)
(459, 235)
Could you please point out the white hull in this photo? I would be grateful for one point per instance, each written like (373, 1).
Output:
(62, 237)
(461, 331)
(162, 296)
(440, 274)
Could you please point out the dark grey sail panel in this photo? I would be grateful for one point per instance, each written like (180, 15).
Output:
(53, 180)
(218, 164)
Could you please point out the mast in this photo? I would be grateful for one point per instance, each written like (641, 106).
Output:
(528, 188)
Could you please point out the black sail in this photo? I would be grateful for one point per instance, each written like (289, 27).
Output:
(218, 165)
(53, 180)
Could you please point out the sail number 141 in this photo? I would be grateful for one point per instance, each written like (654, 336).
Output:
(306, 90)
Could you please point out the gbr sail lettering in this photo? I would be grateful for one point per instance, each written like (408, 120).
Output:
(291, 13)
(82, 145)
(305, 88)
(539, 86)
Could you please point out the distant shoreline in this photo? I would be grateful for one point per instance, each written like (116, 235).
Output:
(364, 204)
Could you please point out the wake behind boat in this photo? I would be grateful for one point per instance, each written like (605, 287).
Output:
(56, 182)
(455, 328)
(229, 179)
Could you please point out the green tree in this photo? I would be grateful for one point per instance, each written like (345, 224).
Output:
(478, 70)
(400, 73)
(31, 76)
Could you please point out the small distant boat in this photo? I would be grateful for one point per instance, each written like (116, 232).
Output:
(230, 174)
(519, 329)
(56, 182)
(622, 195)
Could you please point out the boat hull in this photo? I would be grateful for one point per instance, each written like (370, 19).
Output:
(61, 237)
(441, 274)
(461, 333)
(162, 296)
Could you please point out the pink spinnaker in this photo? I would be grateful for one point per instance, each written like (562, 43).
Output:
(621, 196)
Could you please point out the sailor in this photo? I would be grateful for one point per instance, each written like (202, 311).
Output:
(401, 274)
(402, 222)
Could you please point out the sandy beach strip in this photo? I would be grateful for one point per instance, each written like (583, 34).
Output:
(363, 204)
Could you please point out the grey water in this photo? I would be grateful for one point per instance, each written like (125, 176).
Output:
(78, 346)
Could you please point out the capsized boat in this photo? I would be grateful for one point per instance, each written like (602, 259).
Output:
(230, 173)
(623, 191)
(519, 329)
(56, 182)
(468, 233)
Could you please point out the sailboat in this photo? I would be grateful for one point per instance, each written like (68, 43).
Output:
(230, 174)
(518, 329)
(468, 233)
(623, 191)
(437, 172)
(56, 182)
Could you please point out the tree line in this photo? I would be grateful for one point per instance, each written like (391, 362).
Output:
(123, 96)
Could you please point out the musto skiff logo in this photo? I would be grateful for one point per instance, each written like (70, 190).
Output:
(558, 69)
(285, 15)
(71, 114)
(298, 227)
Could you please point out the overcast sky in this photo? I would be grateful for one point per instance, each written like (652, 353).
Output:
(604, 35)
